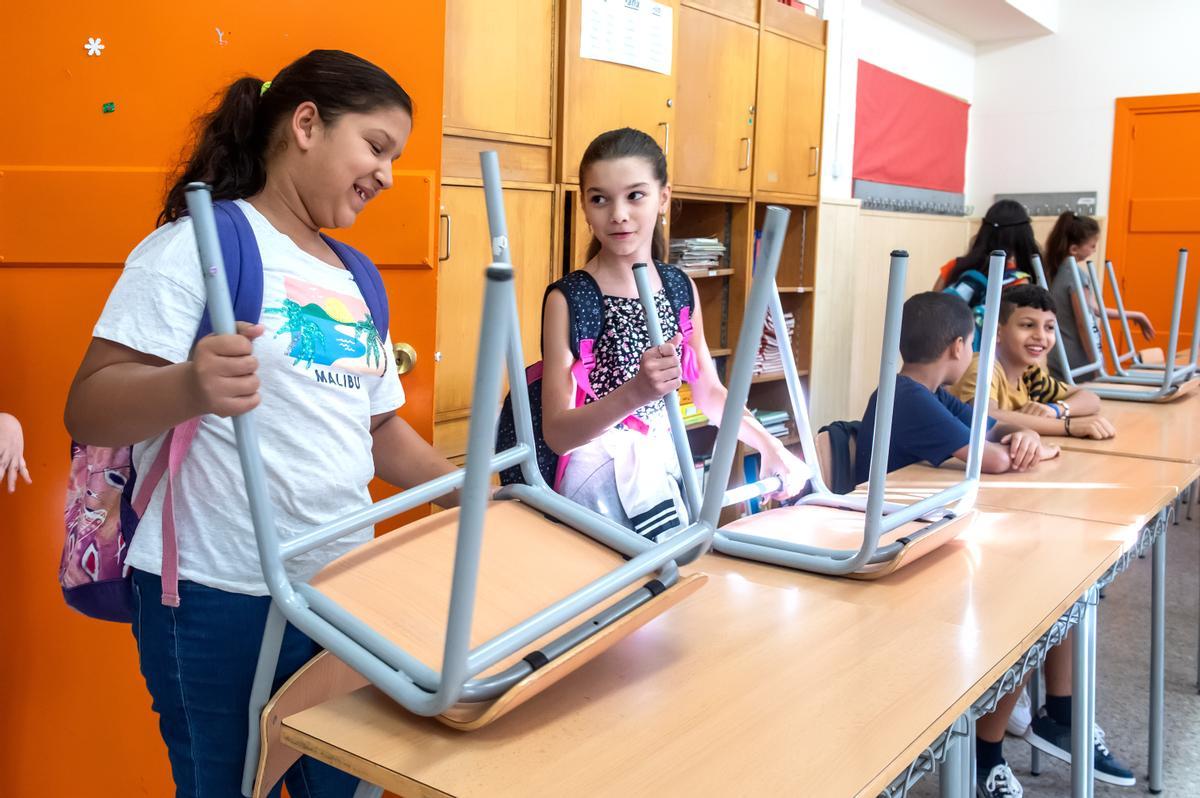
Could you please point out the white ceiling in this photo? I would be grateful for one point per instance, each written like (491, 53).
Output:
(986, 20)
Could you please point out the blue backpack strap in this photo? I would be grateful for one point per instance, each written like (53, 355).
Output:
(369, 281)
(585, 308)
(243, 265)
(678, 288)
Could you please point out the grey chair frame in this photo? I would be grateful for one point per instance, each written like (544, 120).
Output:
(1142, 383)
(411, 683)
(881, 517)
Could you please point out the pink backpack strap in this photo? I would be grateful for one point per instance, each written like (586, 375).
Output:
(689, 366)
(581, 370)
(167, 462)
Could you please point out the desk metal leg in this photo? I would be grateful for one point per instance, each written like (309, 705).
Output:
(1093, 637)
(972, 775)
(1035, 703)
(368, 790)
(1081, 714)
(1158, 605)
(954, 778)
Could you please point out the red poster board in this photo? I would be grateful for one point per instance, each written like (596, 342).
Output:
(907, 134)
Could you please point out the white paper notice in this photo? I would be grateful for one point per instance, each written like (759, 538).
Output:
(636, 33)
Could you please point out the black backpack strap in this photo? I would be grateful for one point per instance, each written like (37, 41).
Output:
(585, 308)
(678, 287)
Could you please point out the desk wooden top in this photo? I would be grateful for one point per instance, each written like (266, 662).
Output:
(1168, 431)
(765, 682)
(1086, 485)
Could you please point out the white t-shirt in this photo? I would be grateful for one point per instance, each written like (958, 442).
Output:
(324, 373)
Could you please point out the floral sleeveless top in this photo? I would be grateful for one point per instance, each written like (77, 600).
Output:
(619, 349)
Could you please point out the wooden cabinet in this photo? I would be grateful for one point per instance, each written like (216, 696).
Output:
(460, 293)
(718, 58)
(599, 96)
(791, 81)
(500, 67)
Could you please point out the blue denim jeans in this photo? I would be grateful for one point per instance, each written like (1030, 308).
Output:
(198, 660)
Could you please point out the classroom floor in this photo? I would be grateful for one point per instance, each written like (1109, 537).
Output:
(1123, 680)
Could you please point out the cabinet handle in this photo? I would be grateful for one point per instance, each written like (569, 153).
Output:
(666, 137)
(745, 155)
(814, 160)
(446, 238)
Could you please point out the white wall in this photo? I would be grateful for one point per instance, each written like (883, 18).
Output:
(1042, 119)
(897, 40)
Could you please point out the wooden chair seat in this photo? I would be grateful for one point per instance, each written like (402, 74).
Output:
(830, 527)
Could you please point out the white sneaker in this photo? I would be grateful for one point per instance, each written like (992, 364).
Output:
(1022, 715)
(1000, 783)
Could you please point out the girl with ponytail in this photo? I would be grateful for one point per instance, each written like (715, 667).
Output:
(305, 151)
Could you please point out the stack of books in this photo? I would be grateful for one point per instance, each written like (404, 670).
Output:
(692, 416)
(697, 253)
(769, 359)
(774, 421)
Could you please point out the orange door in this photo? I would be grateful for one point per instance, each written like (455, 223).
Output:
(1155, 205)
(79, 186)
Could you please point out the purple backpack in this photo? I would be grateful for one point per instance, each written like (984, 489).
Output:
(105, 498)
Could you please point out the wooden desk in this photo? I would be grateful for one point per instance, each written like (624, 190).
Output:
(1094, 486)
(766, 682)
(1086, 485)
(1169, 431)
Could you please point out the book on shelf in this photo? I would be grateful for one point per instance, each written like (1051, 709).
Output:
(697, 253)
(692, 415)
(769, 358)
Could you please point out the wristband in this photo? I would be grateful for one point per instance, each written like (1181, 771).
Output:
(1066, 409)
(1057, 410)
(1067, 426)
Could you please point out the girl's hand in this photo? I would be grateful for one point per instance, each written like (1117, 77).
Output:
(777, 461)
(1024, 449)
(1038, 409)
(1143, 323)
(658, 375)
(12, 452)
(224, 371)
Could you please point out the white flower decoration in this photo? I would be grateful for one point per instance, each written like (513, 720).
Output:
(93, 46)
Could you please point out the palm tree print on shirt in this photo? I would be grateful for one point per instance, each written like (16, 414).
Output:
(326, 328)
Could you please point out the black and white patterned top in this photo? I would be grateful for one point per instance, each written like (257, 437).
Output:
(619, 351)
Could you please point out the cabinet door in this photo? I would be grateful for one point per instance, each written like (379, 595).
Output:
(461, 283)
(489, 44)
(715, 113)
(602, 96)
(790, 89)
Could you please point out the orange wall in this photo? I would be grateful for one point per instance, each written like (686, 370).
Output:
(78, 188)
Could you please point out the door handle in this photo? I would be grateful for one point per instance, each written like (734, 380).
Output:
(446, 238)
(666, 138)
(814, 159)
(406, 358)
(745, 155)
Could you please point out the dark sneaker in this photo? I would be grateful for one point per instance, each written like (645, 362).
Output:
(1055, 739)
(1050, 737)
(1108, 767)
(999, 783)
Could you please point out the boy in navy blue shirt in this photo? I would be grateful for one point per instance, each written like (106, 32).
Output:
(928, 423)
(931, 425)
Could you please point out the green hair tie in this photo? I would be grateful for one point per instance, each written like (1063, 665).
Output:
(266, 85)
